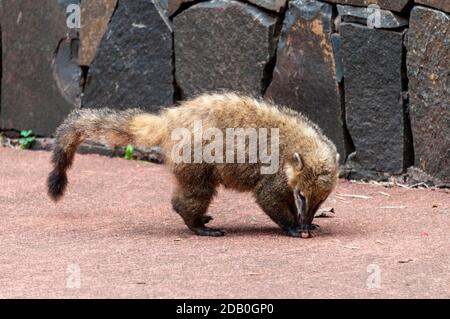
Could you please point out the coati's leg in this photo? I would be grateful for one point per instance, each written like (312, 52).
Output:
(192, 198)
(274, 201)
(191, 205)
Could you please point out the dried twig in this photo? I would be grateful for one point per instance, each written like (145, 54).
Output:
(254, 274)
(419, 185)
(325, 213)
(354, 196)
(349, 247)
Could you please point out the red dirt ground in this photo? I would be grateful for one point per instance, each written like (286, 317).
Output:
(117, 225)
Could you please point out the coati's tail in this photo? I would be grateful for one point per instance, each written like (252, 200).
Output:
(98, 125)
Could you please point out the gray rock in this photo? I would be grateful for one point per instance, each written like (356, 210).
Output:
(394, 5)
(429, 90)
(438, 4)
(353, 170)
(336, 42)
(164, 4)
(133, 65)
(149, 154)
(381, 19)
(67, 72)
(94, 22)
(305, 73)
(40, 80)
(223, 45)
(174, 5)
(416, 177)
(273, 5)
(373, 96)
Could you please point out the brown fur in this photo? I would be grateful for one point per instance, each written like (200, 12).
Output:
(315, 178)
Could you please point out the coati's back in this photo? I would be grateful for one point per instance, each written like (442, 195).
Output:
(224, 111)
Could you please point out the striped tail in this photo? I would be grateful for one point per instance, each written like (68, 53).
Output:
(105, 126)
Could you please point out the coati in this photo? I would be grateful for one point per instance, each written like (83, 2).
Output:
(308, 161)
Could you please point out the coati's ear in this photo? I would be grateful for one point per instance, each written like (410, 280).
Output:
(298, 161)
(338, 157)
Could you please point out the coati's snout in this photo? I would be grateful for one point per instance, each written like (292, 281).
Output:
(310, 189)
(302, 213)
(306, 211)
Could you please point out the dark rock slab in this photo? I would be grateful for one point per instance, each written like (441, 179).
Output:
(273, 5)
(418, 178)
(164, 4)
(66, 70)
(384, 18)
(373, 96)
(95, 16)
(40, 80)
(151, 154)
(336, 42)
(305, 75)
(394, 5)
(429, 90)
(438, 4)
(133, 64)
(174, 5)
(223, 45)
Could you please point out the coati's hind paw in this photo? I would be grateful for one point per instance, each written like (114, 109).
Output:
(206, 231)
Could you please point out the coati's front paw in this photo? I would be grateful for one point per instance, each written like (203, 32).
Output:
(206, 219)
(307, 231)
(293, 231)
(206, 231)
(304, 232)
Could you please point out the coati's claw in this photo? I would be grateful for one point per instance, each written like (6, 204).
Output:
(293, 231)
(304, 232)
(299, 232)
(206, 231)
(206, 219)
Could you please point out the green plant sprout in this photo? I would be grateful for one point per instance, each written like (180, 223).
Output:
(27, 140)
(129, 152)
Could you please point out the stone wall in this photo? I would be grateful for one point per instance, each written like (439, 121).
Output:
(374, 74)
